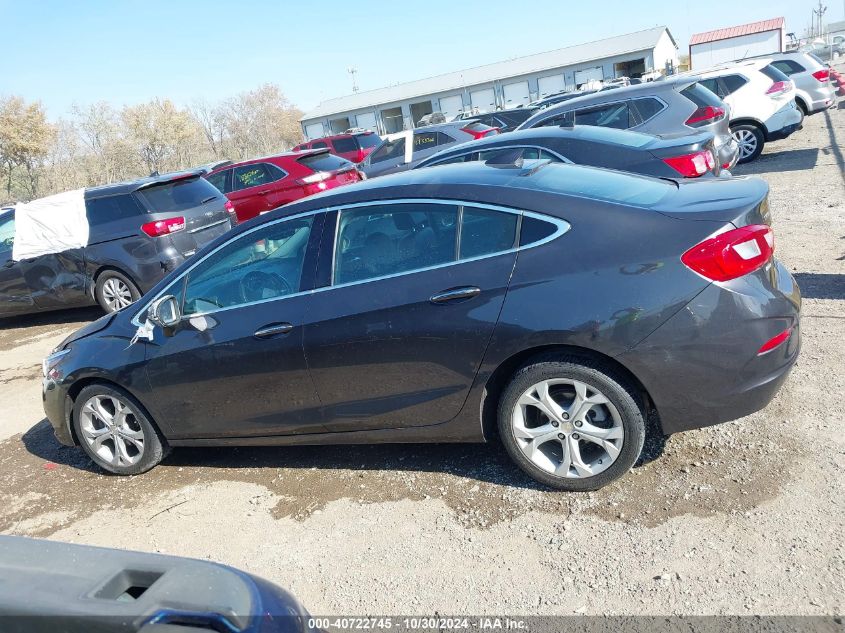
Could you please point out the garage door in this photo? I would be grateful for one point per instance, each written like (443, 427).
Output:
(314, 130)
(550, 85)
(583, 76)
(451, 106)
(367, 120)
(516, 94)
(484, 100)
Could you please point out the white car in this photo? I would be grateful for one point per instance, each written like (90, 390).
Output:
(761, 100)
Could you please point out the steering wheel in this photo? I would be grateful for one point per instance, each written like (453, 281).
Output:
(255, 282)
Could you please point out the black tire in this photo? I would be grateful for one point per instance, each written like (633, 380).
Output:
(103, 292)
(803, 107)
(742, 130)
(155, 447)
(596, 376)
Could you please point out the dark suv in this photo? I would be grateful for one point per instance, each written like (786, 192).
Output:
(353, 147)
(138, 231)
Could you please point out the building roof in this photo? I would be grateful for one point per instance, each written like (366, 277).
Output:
(836, 27)
(568, 56)
(737, 31)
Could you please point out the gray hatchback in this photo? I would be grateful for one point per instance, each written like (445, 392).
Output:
(668, 106)
(138, 232)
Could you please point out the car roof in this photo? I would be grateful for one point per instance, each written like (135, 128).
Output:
(263, 159)
(141, 183)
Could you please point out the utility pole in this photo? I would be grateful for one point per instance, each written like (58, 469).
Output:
(353, 71)
(819, 13)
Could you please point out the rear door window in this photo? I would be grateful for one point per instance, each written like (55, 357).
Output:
(345, 144)
(391, 150)
(178, 195)
(615, 115)
(732, 83)
(367, 141)
(247, 176)
(111, 208)
(222, 180)
(319, 145)
(424, 141)
(484, 232)
(712, 84)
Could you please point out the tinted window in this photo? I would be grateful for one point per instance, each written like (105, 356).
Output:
(247, 176)
(391, 150)
(276, 173)
(424, 141)
(484, 232)
(444, 139)
(713, 86)
(611, 115)
(788, 66)
(702, 94)
(380, 240)
(565, 119)
(7, 231)
(534, 230)
(460, 158)
(368, 140)
(648, 107)
(219, 179)
(732, 83)
(101, 210)
(601, 184)
(178, 195)
(345, 144)
(324, 162)
(773, 73)
(319, 145)
(261, 265)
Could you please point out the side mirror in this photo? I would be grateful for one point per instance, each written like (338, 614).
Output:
(164, 312)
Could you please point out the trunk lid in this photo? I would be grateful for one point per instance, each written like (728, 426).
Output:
(740, 201)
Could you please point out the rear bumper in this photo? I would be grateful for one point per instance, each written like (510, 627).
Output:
(701, 367)
(728, 152)
(783, 122)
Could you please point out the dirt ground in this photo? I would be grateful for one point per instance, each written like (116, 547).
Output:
(742, 518)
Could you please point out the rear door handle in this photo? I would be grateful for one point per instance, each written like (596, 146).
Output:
(272, 330)
(455, 294)
(264, 193)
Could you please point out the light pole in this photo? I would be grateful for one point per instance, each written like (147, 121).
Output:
(353, 71)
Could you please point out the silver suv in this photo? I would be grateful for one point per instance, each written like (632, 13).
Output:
(811, 76)
(669, 106)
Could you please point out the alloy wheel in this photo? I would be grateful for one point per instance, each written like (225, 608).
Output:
(567, 428)
(111, 430)
(116, 293)
(747, 143)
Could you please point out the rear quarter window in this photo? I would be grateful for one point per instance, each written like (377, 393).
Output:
(178, 195)
(648, 108)
(788, 66)
(345, 145)
(702, 94)
(773, 73)
(111, 208)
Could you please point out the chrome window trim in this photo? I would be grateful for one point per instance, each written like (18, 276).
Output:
(562, 227)
(499, 147)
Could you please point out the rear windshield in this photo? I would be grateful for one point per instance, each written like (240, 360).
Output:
(602, 184)
(368, 140)
(773, 73)
(516, 116)
(477, 127)
(615, 136)
(178, 195)
(701, 96)
(345, 144)
(324, 162)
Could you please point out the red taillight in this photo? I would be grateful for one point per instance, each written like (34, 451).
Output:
(732, 254)
(164, 227)
(477, 134)
(230, 209)
(775, 341)
(779, 87)
(706, 115)
(692, 165)
(822, 75)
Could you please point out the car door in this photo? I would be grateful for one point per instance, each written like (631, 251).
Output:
(283, 188)
(389, 157)
(396, 338)
(235, 366)
(14, 294)
(250, 186)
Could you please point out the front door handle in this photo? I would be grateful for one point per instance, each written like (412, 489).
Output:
(264, 193)
(272, 330)
(455, 294)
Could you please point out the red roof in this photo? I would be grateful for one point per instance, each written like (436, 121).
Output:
(736, 31)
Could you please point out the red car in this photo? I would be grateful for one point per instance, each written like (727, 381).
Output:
(355, 146)
(261, 184)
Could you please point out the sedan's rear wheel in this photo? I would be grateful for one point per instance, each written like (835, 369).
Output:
(571, 424)
(114, 430)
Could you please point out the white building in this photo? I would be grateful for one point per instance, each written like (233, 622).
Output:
(506, 84)
(736, 42)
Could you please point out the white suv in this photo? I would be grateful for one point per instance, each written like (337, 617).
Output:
(761, 99)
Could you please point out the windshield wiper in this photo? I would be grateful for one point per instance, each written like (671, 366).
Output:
(209, 199)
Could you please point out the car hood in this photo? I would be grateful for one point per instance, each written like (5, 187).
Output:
(92, 328)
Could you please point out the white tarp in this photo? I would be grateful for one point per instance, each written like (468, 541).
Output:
(50, 225)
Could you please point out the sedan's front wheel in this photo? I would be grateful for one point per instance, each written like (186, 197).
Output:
(571, 424)
(114, 430)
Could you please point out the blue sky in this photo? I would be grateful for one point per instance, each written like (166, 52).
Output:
(127, 51)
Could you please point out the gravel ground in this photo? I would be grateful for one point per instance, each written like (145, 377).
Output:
(742, 518)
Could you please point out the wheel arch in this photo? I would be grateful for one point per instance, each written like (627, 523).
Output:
(500, 377)
(801, 102)
(102, 268)
(750, 121)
